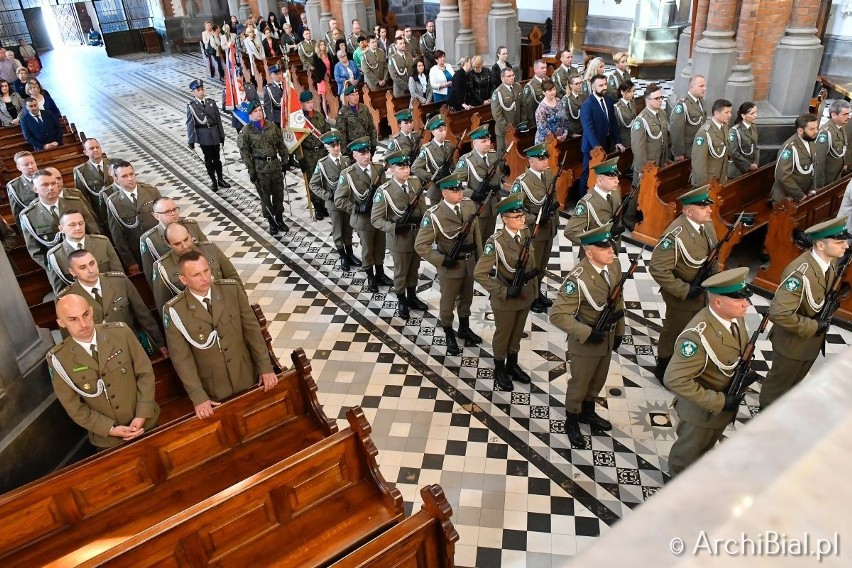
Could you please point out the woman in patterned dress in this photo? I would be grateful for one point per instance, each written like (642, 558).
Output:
(550, 116)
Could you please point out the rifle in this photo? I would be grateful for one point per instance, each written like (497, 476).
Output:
(833, 296)
(486, 179)
(367, 205)
(412, 204)
(705, 271)
(618, 217)
(452, 158)
(521, 274)
(415, 150)
(547, 203)
(603, 324)
(738, 383)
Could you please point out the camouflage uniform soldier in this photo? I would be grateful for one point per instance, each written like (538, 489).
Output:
(354, 120)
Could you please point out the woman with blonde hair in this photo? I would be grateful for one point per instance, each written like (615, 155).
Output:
(478, 82)
(595, 67)
(620, 75)
(322, 69)
(257, 59)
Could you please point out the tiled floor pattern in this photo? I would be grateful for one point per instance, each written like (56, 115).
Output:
(521, 495)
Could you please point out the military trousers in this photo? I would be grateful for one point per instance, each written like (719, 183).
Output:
(400, 89)
(588, 375)
(270, 187)
(212, 160)
(372, 247)
(785, 374)
(542, 253)
(678, 314)
(500, 137)
(509, 326)
(487, 225)
(456, 294)
(693, 441)
(341, 228)
(406, 270)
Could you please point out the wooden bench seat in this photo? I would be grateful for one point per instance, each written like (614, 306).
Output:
(424, 540)
(306, 510)
(625, 162)
(34, 285)
(392, 106)
(77, 513)
(658, 192)
(377, 103)
(515, 158)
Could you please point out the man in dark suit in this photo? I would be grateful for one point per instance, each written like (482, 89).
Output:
(600, 127)
(41, 129)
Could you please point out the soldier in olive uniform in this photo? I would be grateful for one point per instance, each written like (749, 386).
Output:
(710, 147)
(113, 298)
(428, 45)
(687, 117)
(563, 74)
(743, 142)
(306, 50)
(675, 263)
(649, 142)
(706, 356)
(204, 127)
(435, 155)
(20, 190)
(505, 106)
(374, 65)
(214, 338)
(129, 208)
(475, 164)
(73, 226)
(598, 206)
(273, 95)
(263, 152)
(581, 299)
(406, 140)
(625, 111)
(166, 282)
(324, 183)
(510, 304)
(797, 335)
(399, 68)
(795, 169)
(571, 103)
(312, 149)
(533, 186)
(153, 245)
(40, 219)
(92, 177)
(619, 75)
(440, 230)
(355, 194)
(392, 200)
(102, 376)
(354, 120)
(833, 158)
(533, 93)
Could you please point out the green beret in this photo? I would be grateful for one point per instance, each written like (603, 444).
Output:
(350, 89)
(306, 96)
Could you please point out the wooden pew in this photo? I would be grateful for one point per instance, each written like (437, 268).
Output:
(467, 120)
(68, 139)
(566, 180)
(306, 510)
(34, 285)
(421, 114)
(79, 512)
(392, 106)
(750, 193)
(424, 540)
(15, 133)
(515, 158)
(376, 103)
(658, 190)
(625, 161)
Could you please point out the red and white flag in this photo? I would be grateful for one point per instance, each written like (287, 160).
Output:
(235, 94)
(295, 126)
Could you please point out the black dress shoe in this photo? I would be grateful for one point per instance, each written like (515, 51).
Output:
(453, 348)
(274, 229)
(382, 278)
(515, 371)
(344, 260)
(545, 300)
(353, 260)
(501, 377)
(214, 186)
(372, 286)
(590, 417)
(281, 224)
(414, 302)
(537, 307)
(402, 307)
(223, 183)
(572, 429)
(467, 334)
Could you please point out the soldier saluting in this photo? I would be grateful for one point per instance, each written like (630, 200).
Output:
(204, 127)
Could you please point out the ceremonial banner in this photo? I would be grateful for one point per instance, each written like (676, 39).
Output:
(294, 125)
(235, 94)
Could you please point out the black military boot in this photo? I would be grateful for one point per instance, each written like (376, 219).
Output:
(372, 285)
(413, 301)
(537, 306)
(273, 226)
(214, 185)
(222, 182)
(280, 220)
(660, 370)
(547, 302)
(501, 376)
(344, 260)
(382, 278)
(590, 417)
(515, 370)
(452, 346)
(319, 209)
(353, 260)
(402, 306)
(572, 429)
(466, 333)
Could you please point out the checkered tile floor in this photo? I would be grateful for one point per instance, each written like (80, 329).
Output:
(521, 496)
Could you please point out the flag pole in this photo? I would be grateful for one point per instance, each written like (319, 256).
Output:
(311, 211)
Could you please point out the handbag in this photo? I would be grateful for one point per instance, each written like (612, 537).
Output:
(209, 49)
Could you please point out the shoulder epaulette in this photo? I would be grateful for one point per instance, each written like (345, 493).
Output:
(174, 298)
(433, 208)
(97, 237)
(28, 207)
(115, 274)
(113, 324)
(52, 249)
(227, 281)
(63, 292)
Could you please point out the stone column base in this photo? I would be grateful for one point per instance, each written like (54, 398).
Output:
(447, 30)
(794, 71)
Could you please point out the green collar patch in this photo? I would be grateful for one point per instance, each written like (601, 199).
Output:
(83, 368)
(688, 348)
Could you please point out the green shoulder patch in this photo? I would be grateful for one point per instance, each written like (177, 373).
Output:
(699, 140)
(50, 372)
(527, 90)
(317, 169)
(785, 155)
(422, 153)
(378, 197)
(427, 220)
(460, 165)
(342, 178)
(679, 108)
(494, 96)
(489, 249)
(570, 287)
(143, 247)
(732, 136)
(154, 275)
(516, 187)
(166, 321)
(792, 283)
(580, 209)
(636, 125)
(822, 138)
(666, 244)
(688, 348)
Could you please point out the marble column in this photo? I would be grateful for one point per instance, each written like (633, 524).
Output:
(245, 10)
(325, 17)
(503, 30)
(370, 6)
(266, 6)
(447, 27)
(740, 87)
(797, 61)
(465, 42)
(313, 8)
(354, 9)
(577, 28)
(654, 38)
(716, 52)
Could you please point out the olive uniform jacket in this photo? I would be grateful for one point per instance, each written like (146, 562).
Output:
(534, 190)
(324, 180)
(353, 189)
(795, 173)
(438, 234)
(399, 69)
(506, 106)
(214, 367)
(533, 94)
(705, 357)
(374, 66)
(354, 124)
(152, 245)
(678, 257)
(593, 210)
(20, 193)
(615, 79)
(832, 154)
(562, 77)
(687, 117)
(120, 302)
(122, 373)
(579, 303)
(625, 112)
(431, 158)
(57, 259)
(502, 251)
(88, 180)
(474, 165)
(41, 229)
(742, 149)
(797, 300)
(166, 279)
(649, 140)
(407, 143)
(306, 52)
(127, 223)
(572, 105)
(710, 154)
(389, 205)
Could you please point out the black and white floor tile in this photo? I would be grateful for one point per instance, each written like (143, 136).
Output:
(521, 495)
